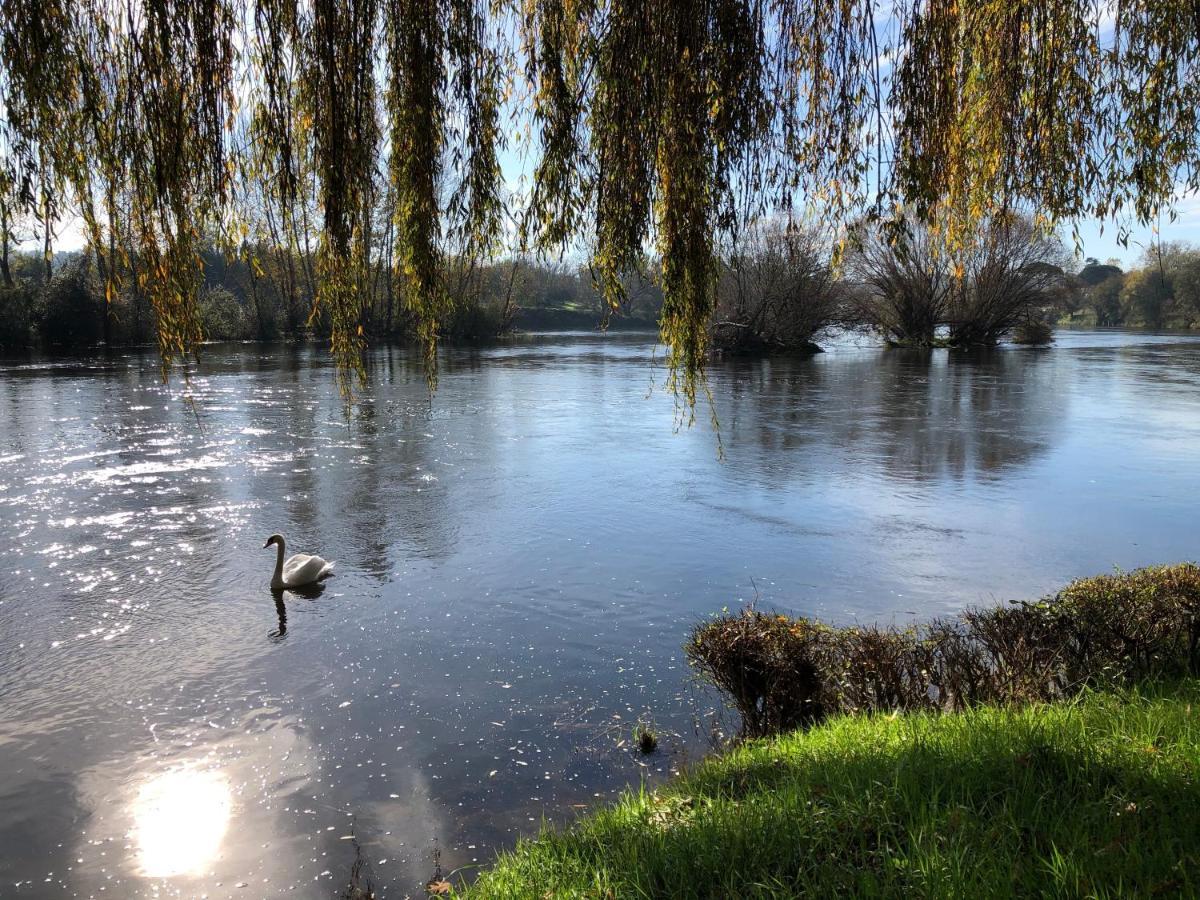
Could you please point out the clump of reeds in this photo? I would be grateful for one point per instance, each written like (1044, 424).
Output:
(645, 738)
(781, 672)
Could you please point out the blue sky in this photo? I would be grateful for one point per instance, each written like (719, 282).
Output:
(1100, 239)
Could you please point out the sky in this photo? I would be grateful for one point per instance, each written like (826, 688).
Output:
(1100, 239)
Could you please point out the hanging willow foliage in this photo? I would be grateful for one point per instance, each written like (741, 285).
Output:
(444, 82)
(416, 59)
(657, 129)
(338, 97)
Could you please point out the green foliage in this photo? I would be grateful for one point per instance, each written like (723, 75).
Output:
(1094, 272)
(1097, 797)
(780, 672)
(1145, 296)
(69, 311)
(223, 317)
(338, 94)
(1145, 622)
(1105, 299)
(416, 50)
(1165, 291)
(16, 316)
(1162, 292)
(476, 319)
(644, 737)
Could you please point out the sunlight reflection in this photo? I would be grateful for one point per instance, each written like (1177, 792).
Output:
(180, 818)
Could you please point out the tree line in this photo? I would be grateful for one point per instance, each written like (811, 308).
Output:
(781, 286)
(263, 293)
(1162, 291)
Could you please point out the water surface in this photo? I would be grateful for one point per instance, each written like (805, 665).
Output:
(518, 561)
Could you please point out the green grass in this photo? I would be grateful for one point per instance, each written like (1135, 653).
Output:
(1095, 797)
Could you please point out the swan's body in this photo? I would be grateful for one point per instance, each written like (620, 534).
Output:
(298, 571)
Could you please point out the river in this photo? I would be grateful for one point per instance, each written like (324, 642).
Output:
(519, 559)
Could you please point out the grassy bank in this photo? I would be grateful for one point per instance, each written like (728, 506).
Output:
(1096, 796)
(1047, 748)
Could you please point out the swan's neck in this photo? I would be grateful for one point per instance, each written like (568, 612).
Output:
(277, 578)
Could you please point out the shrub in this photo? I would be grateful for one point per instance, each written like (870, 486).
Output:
(474, 319)
(909, 284)
(766, 663)
(223, 317)
(1011, 273)
(1105, 299)
(1033, 333)
(904, 286)
(1143, 623)
(481, 307)
(776, 291)
(781, 673)
(70, 310)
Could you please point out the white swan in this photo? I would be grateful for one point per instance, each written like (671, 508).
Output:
(298, 571)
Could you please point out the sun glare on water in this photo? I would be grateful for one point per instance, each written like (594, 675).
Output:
(180, 818)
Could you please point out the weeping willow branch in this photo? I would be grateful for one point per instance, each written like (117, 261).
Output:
(339, 96)
(416, 64)
(655, 129)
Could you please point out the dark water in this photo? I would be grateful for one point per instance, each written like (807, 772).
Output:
(517, 565)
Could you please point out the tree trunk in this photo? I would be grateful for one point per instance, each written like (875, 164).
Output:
(389, 262)
(5, 271)
(259, 314)
(47, 248)
(307, 257)
(284, 263)
(113, 284)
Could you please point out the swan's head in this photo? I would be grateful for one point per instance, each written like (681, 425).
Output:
(273, 539)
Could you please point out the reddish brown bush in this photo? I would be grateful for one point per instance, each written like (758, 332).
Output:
(766, 663)
(782, 673)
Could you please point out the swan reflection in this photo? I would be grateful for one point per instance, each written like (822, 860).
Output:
(281, 611)
(180, 818)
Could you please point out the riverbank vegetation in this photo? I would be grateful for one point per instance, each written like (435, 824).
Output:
(1162, 291)
(361, 146)
(1093, 797)
(781, 673)
(1046, 747)
(252, 296)
(780, 288)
